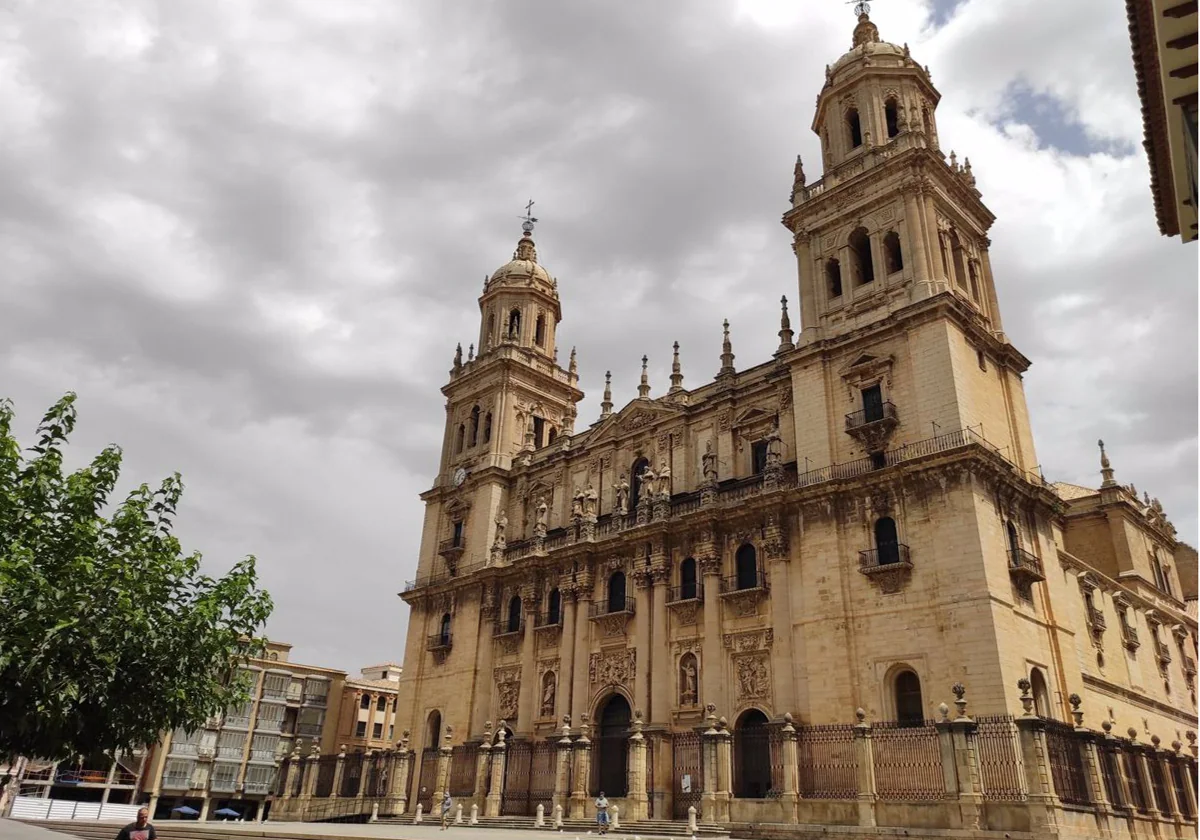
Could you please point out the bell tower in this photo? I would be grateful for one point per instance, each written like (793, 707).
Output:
(892, 221)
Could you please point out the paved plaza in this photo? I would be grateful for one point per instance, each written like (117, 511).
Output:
(172, 829)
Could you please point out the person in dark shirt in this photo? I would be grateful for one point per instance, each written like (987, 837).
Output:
(139, 829)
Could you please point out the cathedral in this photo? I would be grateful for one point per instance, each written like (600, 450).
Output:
(853, 526)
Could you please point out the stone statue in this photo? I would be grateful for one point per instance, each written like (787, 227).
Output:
(621, 492)
(648, 481)
(590, 501)
(774, 448)
(687, 695)
(543, 512)
(548, 696)
(664, 480)
(501, 530)
(709, 464)
(577, 503)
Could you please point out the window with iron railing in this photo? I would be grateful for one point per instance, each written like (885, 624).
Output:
(259, 779)
(275, 686)
(264, 747)
(231, 745)
(316, 691)
(224, 777)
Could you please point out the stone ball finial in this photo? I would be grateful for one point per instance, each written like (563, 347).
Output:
(1075, 700)
(1191, 736)
(487, 725)
(787, 717)
(1155, 740)
(723, 722)
(567, 720)
(1176, 745)
(1132, 733)
(861, 714)
(1106, 725)
(944, 711)
(959, 690)
(637, 714)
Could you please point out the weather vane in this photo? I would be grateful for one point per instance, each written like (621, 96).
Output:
(530, 221)
(861, 7)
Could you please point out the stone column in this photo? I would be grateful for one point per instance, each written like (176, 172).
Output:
(708, 758)
(400, 773)
(483, 766)
(581, 774)
(112, 771)
(499, 756)
(964, 733)
(724, 769)
(566, 652)
(562, 768)
(802, 246)
(864, 755)
(204, 805)
(294, 765)
(638, 800)
(791, 771)
(1141, 759)
(989, 285)
(659, 707)
(338, 773)
(1160, 755)
(525, 709)
(710, 668)
(641, 638)
(776, 547)
(1189, 792)
(583, 629)
(1041, 799)
(917, 244)
(441, 779)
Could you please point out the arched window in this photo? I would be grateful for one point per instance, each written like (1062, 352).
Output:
(514, 615)
(860, 251)
(751, 756)
(833, 278)
(886, 542)
(539, 330)
(1014, 542)
(487, 427)
(474, 425)
(957, 257)
(854, 128)
(893, 259)
(554, 607)
(1041, 695)
(687, 579)
(444, 630)
(910, 711)
(892, 115)
(746, 562)
(460, 438)
(635, 483)
(616, 592)
(514, 324)
(433, 730)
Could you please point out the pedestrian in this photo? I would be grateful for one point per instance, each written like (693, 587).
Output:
(139, 829)
(446, 805)
(602, 814)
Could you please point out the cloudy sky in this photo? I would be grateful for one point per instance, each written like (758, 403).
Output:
(249, 236)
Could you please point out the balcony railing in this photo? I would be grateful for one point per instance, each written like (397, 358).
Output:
(234, 751)
(450, 572)
(439, 641)
(550, 620)
(610, 606)
(1022, 564)
(294, 693)
(506, 629)
(237, 722)
(686, 592)
(452, 549)
(262, 724)
(1189, 665)
(1096, 618)
(744, 582)
(81, 776)
(308, 730)
(884, 557)
(177, 781)
(223, 785)
(1162, 651)
(257, 787)
(875, 414)
(1130, 636)
(315, 699)
(183, 748)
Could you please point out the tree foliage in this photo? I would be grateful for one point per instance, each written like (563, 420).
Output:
(110, 634)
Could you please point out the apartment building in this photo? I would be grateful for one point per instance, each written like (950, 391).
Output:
(367, 717)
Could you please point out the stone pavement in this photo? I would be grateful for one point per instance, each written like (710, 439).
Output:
(11, 830)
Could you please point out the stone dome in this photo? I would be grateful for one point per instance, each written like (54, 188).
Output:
(523, 268)
(867, 45)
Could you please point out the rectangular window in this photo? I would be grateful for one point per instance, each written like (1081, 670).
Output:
(360, 729)
(872, 404)
(378, 731)
(315, 691)
(391, 731)
(458, 534)
(758, 456)
(539, 431)
(275, 686)
(231, 744)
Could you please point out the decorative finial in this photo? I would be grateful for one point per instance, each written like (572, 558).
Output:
(726, 354)
(644, 385)
(530, 221)
(471, 353)
(676, 372)
(1106, 469)
(865, 32)
(457, 359)
(572, 366)
(1076, 701)
(785, 328)
(606, 404)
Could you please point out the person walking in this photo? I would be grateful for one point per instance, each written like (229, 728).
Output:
(447, 804)
(601, 814)
(139, 829)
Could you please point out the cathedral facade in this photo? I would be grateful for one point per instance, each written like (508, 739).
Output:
(858, 523)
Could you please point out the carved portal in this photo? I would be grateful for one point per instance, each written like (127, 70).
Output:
(508, 691)
(752, 673)
(612, 667)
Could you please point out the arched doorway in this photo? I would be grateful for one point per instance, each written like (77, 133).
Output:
(611, 751)
(751, 756)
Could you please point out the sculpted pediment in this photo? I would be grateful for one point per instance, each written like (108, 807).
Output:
(753, 416)
(634, 417)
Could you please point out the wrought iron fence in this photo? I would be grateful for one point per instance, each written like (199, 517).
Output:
(1180, 781)
(326, 768)
(908, 761)
(741, 582)
(1063, 746)
(609, 606)
(828, 764)
(1110, 773)
(528, 777)
(463, 763)
(1158, 784)
(757, 763)
(885, 411)
(352, 770)
(999, 765)
(377, 774)
(687, 772)
(426, 779)
(1137, 793)
(693, 591)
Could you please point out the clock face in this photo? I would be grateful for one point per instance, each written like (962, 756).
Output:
(460, 475)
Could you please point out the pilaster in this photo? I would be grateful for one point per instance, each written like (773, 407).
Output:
(790, 796)
(864, 753)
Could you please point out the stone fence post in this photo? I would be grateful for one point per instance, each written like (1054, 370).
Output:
(791, 770)
(338, 773)
(965, 738)
(499, 757)
(864, 757)
(562, 768)
(1091, 766)
(442, 777)
(582, 771)
(400, 774)
(1041, 800)
(636, 783)
(289, 783)
(483, 766)
(724, 769)
(708, 761)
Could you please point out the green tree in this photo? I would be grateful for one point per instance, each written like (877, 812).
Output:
(109, 633)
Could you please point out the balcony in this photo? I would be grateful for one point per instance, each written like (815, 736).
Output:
(315, 699)
(873, 426)
(262, 724)
(309, 730)
(440, 641)
(1129, 635)
(263, 756)
(81, 776)
(257, 787)
(176, 781)
(223, 784)
(887, 566)
(610, 606)
(1024, 567)
(450, 550)
(204, 750)
(1189, 665)
(295, 693)
(1162, 651)
(755, 581)
(1096, 619)
(549, 621)
(687, 593)
(184, 748)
